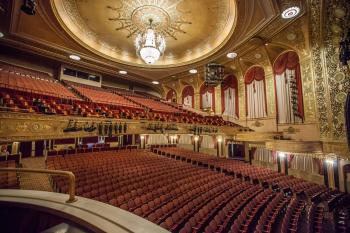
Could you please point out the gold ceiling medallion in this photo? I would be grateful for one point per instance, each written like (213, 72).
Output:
(134, 16)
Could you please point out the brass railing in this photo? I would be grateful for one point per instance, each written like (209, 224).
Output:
(68, 174)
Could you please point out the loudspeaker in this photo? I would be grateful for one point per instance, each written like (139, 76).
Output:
(29, 7)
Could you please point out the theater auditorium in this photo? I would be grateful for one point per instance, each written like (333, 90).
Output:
(183, 116)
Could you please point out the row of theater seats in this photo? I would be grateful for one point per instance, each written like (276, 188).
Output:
(8, 180)
(99, 95)
(20, 87)
(39, 84)
(21, 101)
(258, 175)
(154, 104)
(182, 197)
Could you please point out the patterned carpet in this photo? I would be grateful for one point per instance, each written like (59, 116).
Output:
(32, 181)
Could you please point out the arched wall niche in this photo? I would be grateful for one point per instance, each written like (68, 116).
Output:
(207, 97)
(255, 92)
(288, 87)
(229, 96)
(188, 96)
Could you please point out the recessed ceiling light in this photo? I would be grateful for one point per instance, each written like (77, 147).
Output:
(155, 82)
(193, 71)
(122, 72)
(74, 57)
(290, 12)
(1, 35)
(231, 55)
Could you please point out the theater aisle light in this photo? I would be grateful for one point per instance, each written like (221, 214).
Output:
(74, 57)
(123, 72)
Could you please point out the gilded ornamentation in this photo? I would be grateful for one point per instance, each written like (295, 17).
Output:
(257, 124)
(338, 87)
(294, 37)
(291, 130)
(321, 85)
(107, 27)
(308, 91)
(132, 16)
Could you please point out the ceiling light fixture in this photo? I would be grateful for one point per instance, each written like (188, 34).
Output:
(122, 72)
(231, 55)
(290, 12)
(193, 71)
(74, 57)
(155, 82)
(150, 44)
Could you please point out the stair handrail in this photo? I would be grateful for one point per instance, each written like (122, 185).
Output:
(68, 174)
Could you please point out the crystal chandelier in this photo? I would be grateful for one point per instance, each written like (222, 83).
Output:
(150, 44)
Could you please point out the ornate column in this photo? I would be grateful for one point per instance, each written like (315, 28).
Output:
(218, 107)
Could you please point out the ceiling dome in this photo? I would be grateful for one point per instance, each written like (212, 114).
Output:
(194, 29)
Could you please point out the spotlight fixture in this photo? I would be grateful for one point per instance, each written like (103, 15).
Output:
(123, 72)
(290, 12)
(1, 35)
(231, 55)
(74, 57)
(155, 82)
(193, 71)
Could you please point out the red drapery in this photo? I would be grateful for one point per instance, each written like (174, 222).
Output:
(229, 82)
(290, 61)
(254, 73)
(209, 89)
(170, 95)
(188, 91)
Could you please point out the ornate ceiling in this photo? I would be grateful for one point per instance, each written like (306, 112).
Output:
(194, 29)
(101, 32)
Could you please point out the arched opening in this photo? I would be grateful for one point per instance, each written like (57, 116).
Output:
(255, 93)
(171, 96)
(188, 96)
(207, 97)
(288, 88)
(229, 96)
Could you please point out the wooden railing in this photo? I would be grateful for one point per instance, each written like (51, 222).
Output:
(70, 175)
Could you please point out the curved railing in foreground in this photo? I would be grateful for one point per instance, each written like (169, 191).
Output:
(68, 174)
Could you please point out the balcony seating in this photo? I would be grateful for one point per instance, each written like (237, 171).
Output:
(98, 95)
(36, 83)
(153, 104)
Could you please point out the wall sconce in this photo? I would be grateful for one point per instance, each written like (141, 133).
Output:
(281, 155)
(220, 139)
(142, 137)
(330, 161)
(196, 138)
